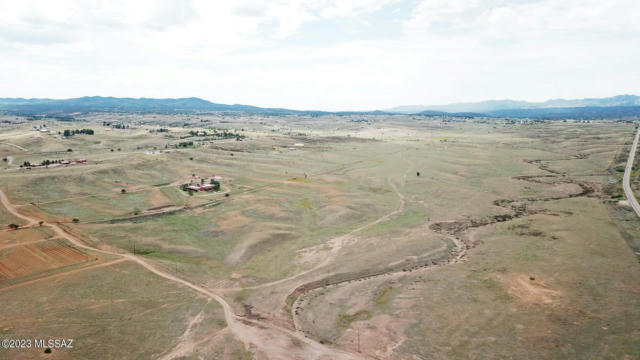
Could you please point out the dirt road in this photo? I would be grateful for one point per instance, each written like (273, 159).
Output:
(273, 341)
(626, 183)
(14, 145)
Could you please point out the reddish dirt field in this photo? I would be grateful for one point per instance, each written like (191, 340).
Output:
(30, 259)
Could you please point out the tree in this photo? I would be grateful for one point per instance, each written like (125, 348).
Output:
(67, 133)
(14, 226)
(69, 150)
(216, 185)
(40, 222)
(418, 173)
(75, 220)
(123, 191)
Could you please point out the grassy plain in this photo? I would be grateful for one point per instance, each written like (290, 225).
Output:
(397, 237)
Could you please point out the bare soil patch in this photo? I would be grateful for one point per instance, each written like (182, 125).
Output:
(529, 289)
(27, 260)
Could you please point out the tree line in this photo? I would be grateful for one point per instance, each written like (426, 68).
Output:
(68, 132)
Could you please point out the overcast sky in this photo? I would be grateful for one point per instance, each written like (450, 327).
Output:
(321, 54)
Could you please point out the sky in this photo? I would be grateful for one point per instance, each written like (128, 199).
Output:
(321, 54)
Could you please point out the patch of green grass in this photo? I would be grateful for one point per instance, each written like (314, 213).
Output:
(169, 257)
(305, 203)
(144, 251)
(384, 296)
(345, 320)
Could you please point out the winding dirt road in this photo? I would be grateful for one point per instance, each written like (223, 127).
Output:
(273, 341)
(626, 183)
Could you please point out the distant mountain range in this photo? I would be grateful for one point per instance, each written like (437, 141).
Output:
(493, 107)
(100, 104)
(55, 107)
(621, 106)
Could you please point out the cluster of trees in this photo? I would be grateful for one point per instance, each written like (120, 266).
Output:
(49, 162)
(216, 184)
(120, 126)
(42, 163)
(224, 134)
(68, 132)
(184, 144)
(197, 133)
(117, 126)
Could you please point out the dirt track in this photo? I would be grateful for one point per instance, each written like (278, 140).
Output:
(273, 341)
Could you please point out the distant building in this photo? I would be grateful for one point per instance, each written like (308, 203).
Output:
(193, 187)
(81, 161)
(65, 162)
(206, 187)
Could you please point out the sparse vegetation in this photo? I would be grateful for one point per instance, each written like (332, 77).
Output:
(538, 202)
(345, 320)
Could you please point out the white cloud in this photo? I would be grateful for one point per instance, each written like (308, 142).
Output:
(330, 54)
